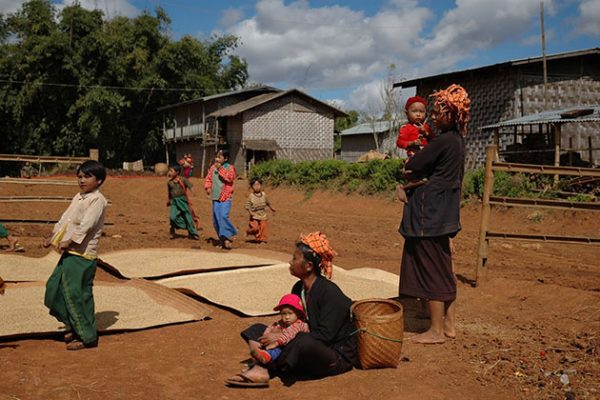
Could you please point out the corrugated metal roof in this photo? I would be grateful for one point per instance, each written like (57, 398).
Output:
(564, 116)
(570, 54)
(245, 105)
(368, 127)
(216, 96)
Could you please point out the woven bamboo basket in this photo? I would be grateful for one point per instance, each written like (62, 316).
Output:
(380, 325)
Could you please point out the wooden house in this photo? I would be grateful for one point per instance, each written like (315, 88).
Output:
(515, 89)
(362, 138)
(254, 124)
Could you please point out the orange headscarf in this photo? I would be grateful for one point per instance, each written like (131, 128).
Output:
(455, 102)
(319, 243)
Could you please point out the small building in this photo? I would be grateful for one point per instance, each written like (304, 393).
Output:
(255, 124)
(367, 136)
(515, 89)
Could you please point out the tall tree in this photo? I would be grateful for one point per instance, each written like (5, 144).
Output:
(72, 80)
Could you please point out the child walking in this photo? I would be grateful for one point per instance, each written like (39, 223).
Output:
(257, 208)
(181, 213)
(291, 322)
(13, 242)
(412, 137)
(69, 294)
(219, 185)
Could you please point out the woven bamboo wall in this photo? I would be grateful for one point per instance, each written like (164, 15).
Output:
(302, 131)
(503, 94)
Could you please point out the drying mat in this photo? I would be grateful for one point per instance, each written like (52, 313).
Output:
(155, 263)
(255, 291)
(19, 268)
(120, 306)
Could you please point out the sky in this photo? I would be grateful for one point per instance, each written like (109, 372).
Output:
(342, 51)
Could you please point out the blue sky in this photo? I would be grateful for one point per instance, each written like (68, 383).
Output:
(341, 50)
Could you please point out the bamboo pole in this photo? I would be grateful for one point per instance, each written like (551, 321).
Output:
(556, 128)
(488, 188)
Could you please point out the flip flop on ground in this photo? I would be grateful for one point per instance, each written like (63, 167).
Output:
(241, 380)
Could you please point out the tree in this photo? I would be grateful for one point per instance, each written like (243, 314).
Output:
(74, 80)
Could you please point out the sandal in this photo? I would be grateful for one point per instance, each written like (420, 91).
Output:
(69, 337)
(241, 380)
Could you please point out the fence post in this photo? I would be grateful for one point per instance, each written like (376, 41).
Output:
(488, 188)
(590, 152)
(94, 155)
(557, 135)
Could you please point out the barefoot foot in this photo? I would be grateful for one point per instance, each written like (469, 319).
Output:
(428, 337)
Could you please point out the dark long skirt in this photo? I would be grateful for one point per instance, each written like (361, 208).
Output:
(426, 270)
(303, 356)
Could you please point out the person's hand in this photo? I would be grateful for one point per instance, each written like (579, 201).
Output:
(401, 194)
(266, 340)
(272, 209)
(416, 142)
(271, 346)
(65, 244)
(46, 243)
(207, 190)
(217, 165)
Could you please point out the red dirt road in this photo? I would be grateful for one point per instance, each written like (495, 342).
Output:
(536, 317)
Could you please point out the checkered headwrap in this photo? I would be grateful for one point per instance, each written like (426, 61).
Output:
(319, 243)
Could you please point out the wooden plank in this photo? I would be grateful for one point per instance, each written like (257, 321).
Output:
(43, 159)
(22, 181)
(37, 222)
(28, 199)
(544, 203)
(545, 169)
(488, 188)
(544, 238)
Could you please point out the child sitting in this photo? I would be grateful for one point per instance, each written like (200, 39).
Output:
(181, 213)
(291, 322)
(257, 208)
(412, 137)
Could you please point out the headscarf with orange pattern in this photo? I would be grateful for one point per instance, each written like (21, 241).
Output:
(319, 243)
(454, 102)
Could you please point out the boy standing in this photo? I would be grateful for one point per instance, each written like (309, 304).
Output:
(219, 185)
(69, 293)
(257, 208)
(181, 213)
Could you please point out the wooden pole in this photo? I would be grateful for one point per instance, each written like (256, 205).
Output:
(556, 128)
(488, 188)
(571, 151)
(544, 57)
(590, 152)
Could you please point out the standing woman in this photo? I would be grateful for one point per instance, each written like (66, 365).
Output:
(432, 215)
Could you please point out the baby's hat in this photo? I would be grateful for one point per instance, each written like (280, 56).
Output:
(292, 300)
(415, 99)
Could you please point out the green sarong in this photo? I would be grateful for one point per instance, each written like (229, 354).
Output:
(181, 215)
(3, 231)
(69, 295)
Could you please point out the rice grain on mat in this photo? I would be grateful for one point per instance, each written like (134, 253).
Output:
(256, 291)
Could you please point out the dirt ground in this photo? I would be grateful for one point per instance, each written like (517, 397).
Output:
(530, 331)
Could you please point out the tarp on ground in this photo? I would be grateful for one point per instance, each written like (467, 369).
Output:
(20, 268)
(255, 291)
(120, 306)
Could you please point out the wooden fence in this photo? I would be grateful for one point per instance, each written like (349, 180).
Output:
(485, 235)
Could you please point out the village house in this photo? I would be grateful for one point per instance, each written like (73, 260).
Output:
(515, 89)
(362, 138)
(255, 124)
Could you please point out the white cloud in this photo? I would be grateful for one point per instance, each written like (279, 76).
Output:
(322, 47)
(338, 47)
(10, 6)
(230, 17)
(589, 18)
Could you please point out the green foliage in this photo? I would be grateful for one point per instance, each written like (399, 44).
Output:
(370, 178)
(77, 80)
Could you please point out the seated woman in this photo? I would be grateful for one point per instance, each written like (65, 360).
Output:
(329, 348)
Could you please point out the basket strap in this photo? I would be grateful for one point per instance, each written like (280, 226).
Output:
(375, 334)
